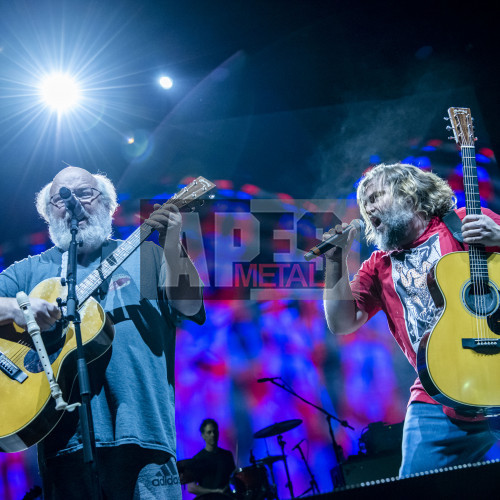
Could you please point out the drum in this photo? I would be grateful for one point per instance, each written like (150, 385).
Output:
(250, 483)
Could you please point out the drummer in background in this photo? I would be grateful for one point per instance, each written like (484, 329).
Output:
(215, 465)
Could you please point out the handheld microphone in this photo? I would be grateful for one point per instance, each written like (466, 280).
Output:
(298, 444)
(335, 240)
(269, 379)
(73, 204)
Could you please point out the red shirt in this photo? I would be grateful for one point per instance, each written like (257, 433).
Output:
(396, 283)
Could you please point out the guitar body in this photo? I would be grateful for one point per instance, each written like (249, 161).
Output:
(459, 360)
(27, 412)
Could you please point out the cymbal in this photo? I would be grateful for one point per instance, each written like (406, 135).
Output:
(277, 428)
(270, 460)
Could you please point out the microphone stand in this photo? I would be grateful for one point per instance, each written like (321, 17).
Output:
(338, 478)
(72, 314)
(314, 485)
(282, 444)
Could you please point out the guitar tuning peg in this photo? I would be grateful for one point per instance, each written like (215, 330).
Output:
(446, 118)
(448, 128)
(475, 138)
(451, 137)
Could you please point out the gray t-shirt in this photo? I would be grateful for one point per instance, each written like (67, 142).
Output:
(133, 382)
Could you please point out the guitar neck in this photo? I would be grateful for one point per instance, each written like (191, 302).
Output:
(109, 265)
(471, 189)
(477, 253)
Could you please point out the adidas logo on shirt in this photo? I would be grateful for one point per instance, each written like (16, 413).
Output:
(167, 475)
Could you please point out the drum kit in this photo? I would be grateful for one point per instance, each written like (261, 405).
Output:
(252, 482)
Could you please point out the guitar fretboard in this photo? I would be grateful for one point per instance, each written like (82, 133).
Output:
(108, 266)
(477, 253)
(471, 189)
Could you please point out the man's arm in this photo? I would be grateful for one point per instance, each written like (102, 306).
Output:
(196, 489)
(44, 312)
(342, 315)
(183, 284)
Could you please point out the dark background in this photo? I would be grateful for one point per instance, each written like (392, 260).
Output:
(263, 90)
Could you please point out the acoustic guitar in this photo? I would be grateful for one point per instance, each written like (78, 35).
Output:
(27, 410)
(458, 361)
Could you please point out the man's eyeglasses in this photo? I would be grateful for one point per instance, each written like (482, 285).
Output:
(85, 195)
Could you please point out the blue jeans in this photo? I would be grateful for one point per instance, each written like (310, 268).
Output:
(432, 440)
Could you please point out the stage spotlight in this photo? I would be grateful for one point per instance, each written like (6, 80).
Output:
(60, 92)
(166, 82)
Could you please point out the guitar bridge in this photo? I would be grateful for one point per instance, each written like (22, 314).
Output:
(11, 369)
(482, 346)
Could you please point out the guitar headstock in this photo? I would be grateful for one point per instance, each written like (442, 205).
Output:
(462, 126)
(192, 192)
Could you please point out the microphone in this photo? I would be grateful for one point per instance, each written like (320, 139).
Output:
(298, 444)
(269, 379)
(73, 204)
(337, 239)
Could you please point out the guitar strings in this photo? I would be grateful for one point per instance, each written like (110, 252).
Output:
(474, 252)
(476, 255)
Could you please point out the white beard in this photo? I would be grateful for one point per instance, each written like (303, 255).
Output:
(397, 227)
(95, 232)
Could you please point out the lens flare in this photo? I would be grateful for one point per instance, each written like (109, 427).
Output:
(60, 92)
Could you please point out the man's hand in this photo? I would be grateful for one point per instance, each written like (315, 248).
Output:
(480, 230)
(336, 252)
(182, 283)
(167, 220)
(45, 313)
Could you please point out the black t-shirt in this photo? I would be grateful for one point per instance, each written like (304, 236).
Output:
(215, 468)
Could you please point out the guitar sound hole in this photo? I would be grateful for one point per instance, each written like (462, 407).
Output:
(494, 322)
(33, 364)
(482, 302)
(53, 340)
(55, 337)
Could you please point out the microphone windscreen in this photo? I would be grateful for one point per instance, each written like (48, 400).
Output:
(64, 193)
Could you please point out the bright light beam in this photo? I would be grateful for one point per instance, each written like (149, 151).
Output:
(60, 92)
(166, 82)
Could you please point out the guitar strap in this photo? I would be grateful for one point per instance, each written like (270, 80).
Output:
(108, 247)
(454, 225)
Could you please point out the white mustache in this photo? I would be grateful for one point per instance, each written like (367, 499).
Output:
(97, 229)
